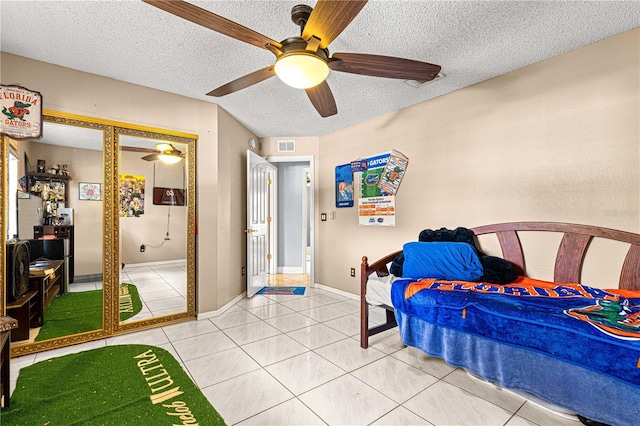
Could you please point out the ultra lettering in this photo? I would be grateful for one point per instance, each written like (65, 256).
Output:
(126, 303)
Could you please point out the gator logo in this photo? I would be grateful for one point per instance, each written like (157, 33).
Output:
(371, 179)
(617, 318)
(18, 110)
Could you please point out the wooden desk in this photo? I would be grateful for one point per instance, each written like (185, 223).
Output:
(46, 279)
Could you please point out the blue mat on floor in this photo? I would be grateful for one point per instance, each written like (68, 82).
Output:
(282, 290)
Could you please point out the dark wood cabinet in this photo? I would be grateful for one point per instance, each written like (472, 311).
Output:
(26, 310)
(59, 231)
(6, 324)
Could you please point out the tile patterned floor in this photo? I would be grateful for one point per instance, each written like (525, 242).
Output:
(296, 360)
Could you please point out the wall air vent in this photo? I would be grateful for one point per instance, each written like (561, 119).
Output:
(417, 84)
(287, 146)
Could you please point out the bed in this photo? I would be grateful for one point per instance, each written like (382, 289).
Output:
(574, 346)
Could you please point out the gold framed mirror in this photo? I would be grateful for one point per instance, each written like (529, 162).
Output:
(157, 237)
(67, 241)
(78, 192)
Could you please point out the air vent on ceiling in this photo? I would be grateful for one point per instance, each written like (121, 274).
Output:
(415, 83)
(287, 146)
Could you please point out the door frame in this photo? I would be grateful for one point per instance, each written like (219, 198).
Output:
(310, 159)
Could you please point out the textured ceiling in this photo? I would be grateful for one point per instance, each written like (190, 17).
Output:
(472, 41)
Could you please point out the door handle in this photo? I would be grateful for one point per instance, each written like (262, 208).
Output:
(249, 231)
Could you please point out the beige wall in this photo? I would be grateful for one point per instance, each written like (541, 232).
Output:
(231, 206)
(76, 92)
(150, 229)
(555, 141)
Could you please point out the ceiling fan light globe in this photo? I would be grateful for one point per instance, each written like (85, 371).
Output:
(169, 158)
(301, 70)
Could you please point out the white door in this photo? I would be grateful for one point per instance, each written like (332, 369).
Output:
(260, 175)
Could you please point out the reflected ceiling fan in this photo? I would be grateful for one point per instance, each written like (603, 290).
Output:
(165, 152)
(304, 61)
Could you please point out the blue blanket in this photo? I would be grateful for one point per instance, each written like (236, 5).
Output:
(595, 329)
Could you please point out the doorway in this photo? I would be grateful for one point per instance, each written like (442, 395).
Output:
(292, 249)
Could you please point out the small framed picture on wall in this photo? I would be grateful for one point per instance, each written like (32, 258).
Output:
(90, 191)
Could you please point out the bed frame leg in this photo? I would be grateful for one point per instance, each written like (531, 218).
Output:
(364, 306)
(364, 326)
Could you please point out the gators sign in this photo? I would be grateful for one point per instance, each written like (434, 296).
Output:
(21, 112)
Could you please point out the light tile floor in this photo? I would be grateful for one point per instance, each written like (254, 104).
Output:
(296, 360)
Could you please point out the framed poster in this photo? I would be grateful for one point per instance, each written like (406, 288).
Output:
(344, 186)
(90, 191)
(131, 195)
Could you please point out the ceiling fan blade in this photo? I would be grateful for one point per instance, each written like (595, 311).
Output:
(151, 157)
(384, 66)
(322, 99)
(243, 82)
(212, 21)
(329, 18)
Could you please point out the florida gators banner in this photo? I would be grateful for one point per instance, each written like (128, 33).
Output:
(540, 301)
(21, 112)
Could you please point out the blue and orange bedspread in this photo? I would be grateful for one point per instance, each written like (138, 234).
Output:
(592, 328)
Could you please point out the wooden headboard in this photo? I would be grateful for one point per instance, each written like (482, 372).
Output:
(567, 269)
(572, 249)
(569, 258)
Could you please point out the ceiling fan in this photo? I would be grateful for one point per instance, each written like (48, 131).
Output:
(304, 61)
(165, 152)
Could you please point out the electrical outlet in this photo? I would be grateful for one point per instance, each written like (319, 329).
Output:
(353, 272)
(142, 248)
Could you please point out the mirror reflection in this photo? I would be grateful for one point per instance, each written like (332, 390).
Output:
(54, 283)
(153, 182)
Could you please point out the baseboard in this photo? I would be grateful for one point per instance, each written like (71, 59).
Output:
(335, 290)
(159, 262)
(222, 310)
(91, 278)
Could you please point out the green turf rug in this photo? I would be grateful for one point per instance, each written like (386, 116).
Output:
(73, 313)
(118, 385)
(130, 303)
